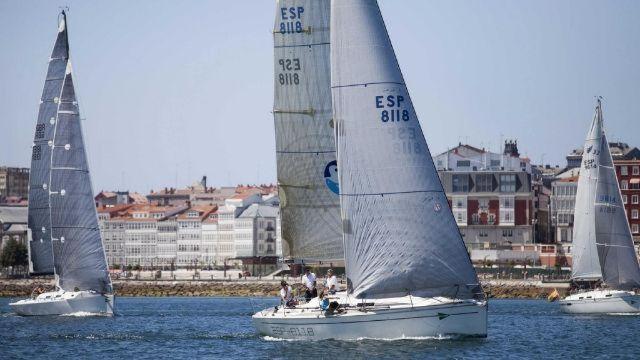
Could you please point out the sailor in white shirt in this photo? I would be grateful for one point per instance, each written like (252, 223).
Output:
(331, 284)
(286, 294)
(310, 284)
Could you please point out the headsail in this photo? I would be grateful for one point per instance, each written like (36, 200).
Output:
(618, 259)
(585, 264)
(79, 257)
(40, 249)
(400, 235)
(305, 144)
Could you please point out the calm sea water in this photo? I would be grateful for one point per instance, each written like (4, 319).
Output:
(221, 328)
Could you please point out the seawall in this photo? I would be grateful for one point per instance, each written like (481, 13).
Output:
(505, 289)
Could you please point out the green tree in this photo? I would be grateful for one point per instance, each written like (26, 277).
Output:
(14, 255)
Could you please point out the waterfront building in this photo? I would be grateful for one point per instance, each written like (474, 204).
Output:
(209, 247)
(490, 194)
(190, 235)
(112, 198)
(13, 224)
(14, 182)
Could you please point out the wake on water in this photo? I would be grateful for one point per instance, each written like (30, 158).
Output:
(85, 314)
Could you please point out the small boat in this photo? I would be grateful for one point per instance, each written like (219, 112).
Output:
(65, 236)
(605, 271)
(408, 272)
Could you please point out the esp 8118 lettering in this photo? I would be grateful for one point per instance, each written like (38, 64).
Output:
(291, 21)
(392, 108)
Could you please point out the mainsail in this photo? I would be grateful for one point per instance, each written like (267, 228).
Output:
(78, 255)
(602, 241)
(400, 236)
(305, 144)
(40, 249)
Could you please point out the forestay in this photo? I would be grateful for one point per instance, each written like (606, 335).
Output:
(79, 257)
(305, 144)
(399, 233)
(614, 241)
(40, 249)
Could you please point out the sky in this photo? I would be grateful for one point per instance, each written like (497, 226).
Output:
(170, 91)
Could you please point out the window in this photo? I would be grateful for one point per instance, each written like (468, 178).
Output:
(624, 171)
(624, 185)
(636, 170)
(634, 199)
(460, 183)
(563, 235)
(463, 163)
(634, 228)
(634, 213)
(507, 212)
(507, 232)
(495, 163)
(483, 233)
(483, 204)
(624, 199)
(484, 183)
(508, 183)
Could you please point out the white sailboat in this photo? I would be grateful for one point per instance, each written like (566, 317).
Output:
(66, 239)
(408, 271)
(605, 266)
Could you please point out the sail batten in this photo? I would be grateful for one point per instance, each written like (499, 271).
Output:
(305, 144)
(400, 236)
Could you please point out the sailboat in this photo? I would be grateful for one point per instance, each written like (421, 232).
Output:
(66, 240)
(408, 272)
(605, 269)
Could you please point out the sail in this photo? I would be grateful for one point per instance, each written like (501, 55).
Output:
(305, 144)
(79, 257)
(618, 259)
(39, 218)
(400, 236)
(585, 263)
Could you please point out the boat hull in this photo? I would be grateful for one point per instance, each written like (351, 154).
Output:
(462, 319)
(601, 302)
(61, 303)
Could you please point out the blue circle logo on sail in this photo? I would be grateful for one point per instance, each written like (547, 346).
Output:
(331, 177)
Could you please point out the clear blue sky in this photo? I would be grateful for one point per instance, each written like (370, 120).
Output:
(174, 90)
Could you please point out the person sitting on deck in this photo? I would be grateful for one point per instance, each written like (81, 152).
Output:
(331, 284)
(286, 294)
(324, 302)
(310, 284)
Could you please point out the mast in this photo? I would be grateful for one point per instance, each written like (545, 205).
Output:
(305, 144)
(400, 236)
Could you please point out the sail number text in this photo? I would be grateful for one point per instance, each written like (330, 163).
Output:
(289, 69)
(291, 20)
(392, 108)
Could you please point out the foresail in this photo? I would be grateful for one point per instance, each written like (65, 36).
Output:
(399, 233)
(39, 219)
(79, 257)
(305, 144)
(618, 259)
(585, 263)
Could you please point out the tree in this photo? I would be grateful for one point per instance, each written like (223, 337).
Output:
(14, 255)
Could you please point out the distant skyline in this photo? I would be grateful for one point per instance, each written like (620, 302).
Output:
(173, 91)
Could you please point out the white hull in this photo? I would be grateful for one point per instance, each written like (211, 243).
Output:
(393, 318)
(65, 302)
(601, 302)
